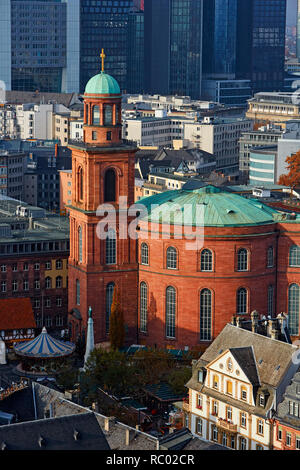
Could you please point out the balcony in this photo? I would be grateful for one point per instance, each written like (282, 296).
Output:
(227, 425)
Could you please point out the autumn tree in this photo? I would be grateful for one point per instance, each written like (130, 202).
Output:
(116, 322)
(292, 179)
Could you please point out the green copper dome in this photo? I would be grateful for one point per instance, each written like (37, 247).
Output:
(220, 208)
(102, 84)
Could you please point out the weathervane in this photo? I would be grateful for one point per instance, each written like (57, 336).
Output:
(102, 55)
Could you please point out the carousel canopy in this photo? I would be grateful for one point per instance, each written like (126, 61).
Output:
(44, 346)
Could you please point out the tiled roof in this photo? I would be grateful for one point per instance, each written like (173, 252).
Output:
(16, 314)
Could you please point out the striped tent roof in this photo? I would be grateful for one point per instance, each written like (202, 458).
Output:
(44, 346)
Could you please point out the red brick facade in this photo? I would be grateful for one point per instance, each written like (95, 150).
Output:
(87, 264)
(103, 152)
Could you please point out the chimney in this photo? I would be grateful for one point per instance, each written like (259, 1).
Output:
(56, 150)
(233, 320)
(272, 330)
(129, 435)
(254, 321)
(239, 322)
(107, 423)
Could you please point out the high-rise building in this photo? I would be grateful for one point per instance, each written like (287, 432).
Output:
(298, 32)
(245, 39)
(39, 45)
(103, 24)
(173, 47)
(135, 52)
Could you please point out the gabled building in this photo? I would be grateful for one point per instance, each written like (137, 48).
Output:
(287, 422)
(236, 387)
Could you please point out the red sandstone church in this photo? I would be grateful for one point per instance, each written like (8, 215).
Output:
(248, 254)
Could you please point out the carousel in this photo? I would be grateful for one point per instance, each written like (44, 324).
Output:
(43, 355)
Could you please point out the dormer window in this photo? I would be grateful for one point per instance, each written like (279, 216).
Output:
(200, 376)
(262, 399)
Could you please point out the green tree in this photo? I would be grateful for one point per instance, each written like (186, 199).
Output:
(178, 378)
(116, 322)
(292, 179)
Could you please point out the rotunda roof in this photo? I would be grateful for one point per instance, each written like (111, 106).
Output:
(102, 84)
(44, 346)
(208, 206)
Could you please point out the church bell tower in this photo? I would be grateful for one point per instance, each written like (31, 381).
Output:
(102, 174)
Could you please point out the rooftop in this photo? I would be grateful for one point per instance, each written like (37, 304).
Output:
(208, 206)
(102, 84)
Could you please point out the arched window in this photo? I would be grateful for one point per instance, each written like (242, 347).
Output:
(171, 258)
(77, 292)
(59, 282)
(295, 256)
(270, 257)
(80, 183)
(242, 260)
(271, 300)
(108, 115)
(48, 283)
(206, 260)
(205, 315)
(170, 312)
(110, 248)
(80, 245)
(110, 186)
(108, 301)
(144, 254)
(293, 309)
(143, 307)
(96, 115)
(242, 301)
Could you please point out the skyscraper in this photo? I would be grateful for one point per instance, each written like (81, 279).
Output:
(298, 30)
(103, 24)
(245, 39)
(135, 52)
(39, 49)
(173, 47)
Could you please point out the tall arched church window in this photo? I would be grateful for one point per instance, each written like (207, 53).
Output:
(242, 301)
(80, 245)
(206, 260)
(170, 312)
(110, 186)
(295, 256)
(242, 261)
(108, 301)
(171, 258)
(205, 315)
(143, 307)
(293, 309)
(111, 248)
(80, 183)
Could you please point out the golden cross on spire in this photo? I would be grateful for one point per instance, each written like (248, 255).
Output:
(102, 55)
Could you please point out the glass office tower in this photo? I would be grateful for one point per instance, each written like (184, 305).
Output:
(38, 45)
(173, 47)
(135, 53)
(103, 24)
(220, 37)
(268, 45)
(245, 39)
(298, 30)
